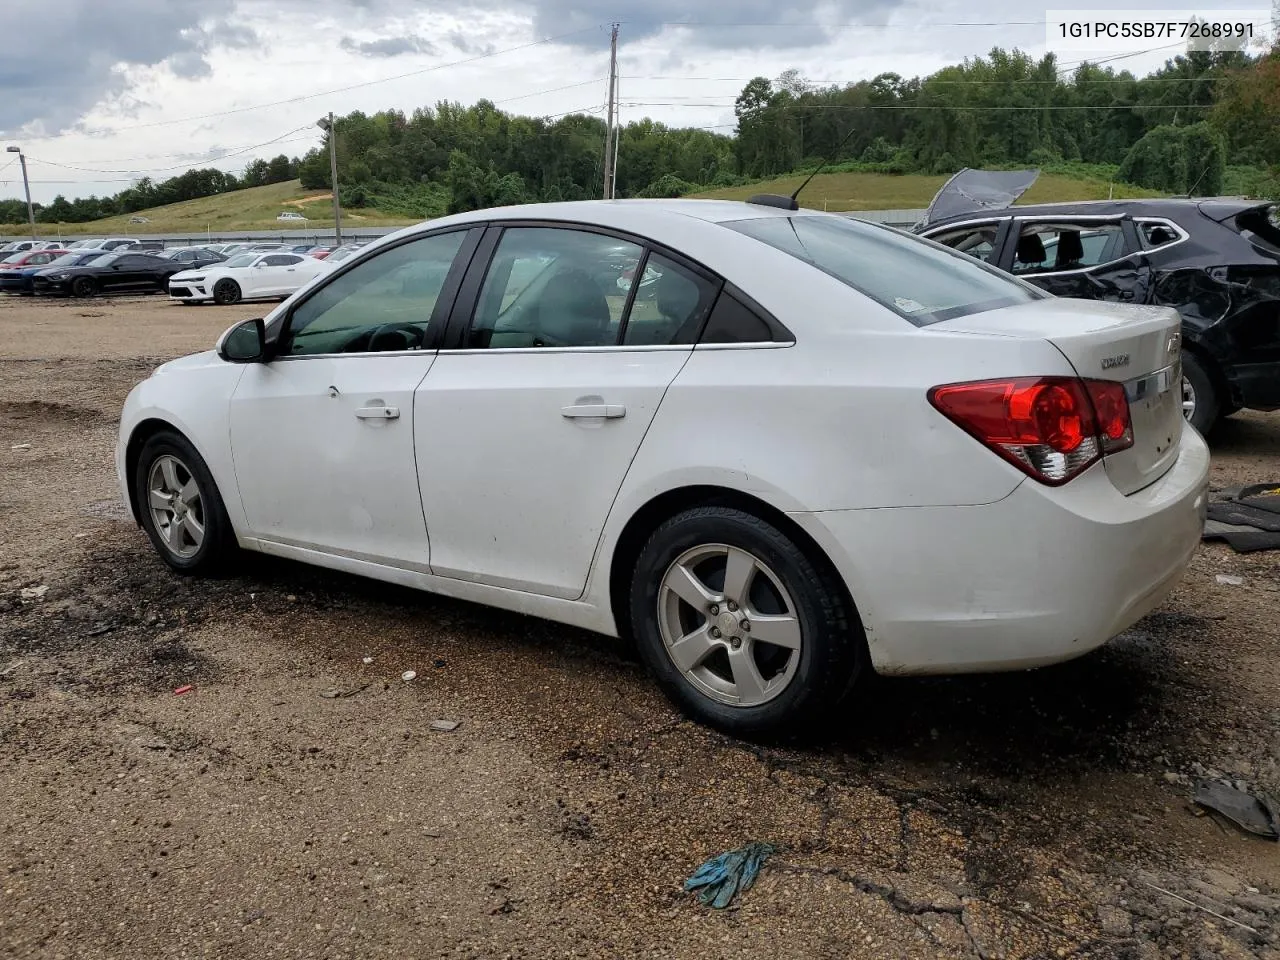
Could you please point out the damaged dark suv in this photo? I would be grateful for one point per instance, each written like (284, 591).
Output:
(1217, 261)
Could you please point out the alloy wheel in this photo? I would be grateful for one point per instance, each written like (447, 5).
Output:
(1188, 399)
(177, 508)
(729, 625)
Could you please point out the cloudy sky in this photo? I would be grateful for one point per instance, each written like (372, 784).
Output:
(99, 92)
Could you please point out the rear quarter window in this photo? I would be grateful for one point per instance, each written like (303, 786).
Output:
(921, 281)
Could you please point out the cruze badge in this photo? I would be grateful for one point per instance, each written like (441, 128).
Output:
(1120, 360)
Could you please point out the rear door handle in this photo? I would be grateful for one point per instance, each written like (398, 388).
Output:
(378, 413)
(604, 411)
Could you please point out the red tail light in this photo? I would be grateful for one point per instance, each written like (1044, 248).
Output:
(1052, 428)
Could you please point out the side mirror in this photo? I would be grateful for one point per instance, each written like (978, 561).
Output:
(246, 342)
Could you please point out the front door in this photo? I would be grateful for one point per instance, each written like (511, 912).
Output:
(526, 429)
(323, 436)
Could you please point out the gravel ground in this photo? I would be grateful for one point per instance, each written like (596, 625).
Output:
(298, 804)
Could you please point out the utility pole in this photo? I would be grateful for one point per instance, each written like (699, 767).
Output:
(26, 186)
(327, 125)
(610, 150)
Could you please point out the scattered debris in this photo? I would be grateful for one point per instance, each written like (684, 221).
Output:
(292, 598)
(333, 693)
(33, 593)
(367, 660)
(11, 667)
(100, 630)
(21, 446)
(1192, 903)
(188, 688)
(408, 675)
(439, 664)
(1252, 811)
(445, 726)
(722, 878)
(1227, 580)
(1248, 519)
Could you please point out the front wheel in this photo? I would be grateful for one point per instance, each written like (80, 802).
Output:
(180, 507)
(1201, 404)
(83, 287)
(226, 292)
(740, 627)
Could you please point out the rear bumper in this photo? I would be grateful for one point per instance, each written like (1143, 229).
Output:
(1042, 576)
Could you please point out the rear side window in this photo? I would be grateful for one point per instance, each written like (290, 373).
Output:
(917, 280)
(732, 321)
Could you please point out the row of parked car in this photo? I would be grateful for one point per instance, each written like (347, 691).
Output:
(223, 273)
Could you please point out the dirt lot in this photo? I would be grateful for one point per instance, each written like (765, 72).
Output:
(297, 804)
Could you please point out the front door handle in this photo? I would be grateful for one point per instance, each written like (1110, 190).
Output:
(378, 413)
(604, 411)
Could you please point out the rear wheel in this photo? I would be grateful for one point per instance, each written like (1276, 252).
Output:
(83, 287)
(226, 292)
(1201, 403)
(741, 629)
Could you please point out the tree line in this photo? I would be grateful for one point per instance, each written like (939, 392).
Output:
(1179, 129)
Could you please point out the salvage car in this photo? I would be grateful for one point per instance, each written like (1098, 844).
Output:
(122, 272)
(820, 448)
(246, 276)
(24, 282)
(14, 267)
(1217, 262)
(193, 256)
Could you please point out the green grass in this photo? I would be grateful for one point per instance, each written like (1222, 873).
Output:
(255, 208)
(912, 191)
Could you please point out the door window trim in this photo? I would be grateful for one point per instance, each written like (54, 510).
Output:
(448, 292)
(467, 301)
(1118, 220)
(1002, 225)
(1181, 234)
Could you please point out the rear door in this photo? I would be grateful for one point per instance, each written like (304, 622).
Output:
(1088, 257)
(529, 419)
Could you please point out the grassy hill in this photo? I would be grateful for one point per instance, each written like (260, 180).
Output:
(254, 208)
(879, 191)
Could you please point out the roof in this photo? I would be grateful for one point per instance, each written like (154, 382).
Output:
(1218, 208)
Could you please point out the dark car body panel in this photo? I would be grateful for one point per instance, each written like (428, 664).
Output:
(1223, 278)
(128, 272)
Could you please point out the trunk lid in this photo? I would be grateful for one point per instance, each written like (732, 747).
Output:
(1139, 346)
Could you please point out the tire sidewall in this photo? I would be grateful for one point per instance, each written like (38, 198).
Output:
(229, 285)
(822, 654)
(1207, 400)
(217, 527)
(83, 287)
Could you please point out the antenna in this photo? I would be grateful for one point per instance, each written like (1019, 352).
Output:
(826, 161)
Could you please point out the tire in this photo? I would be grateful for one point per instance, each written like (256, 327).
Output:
(83, 287)
(794, 685)
(226, 292)
(184, 551)
(1201, 399)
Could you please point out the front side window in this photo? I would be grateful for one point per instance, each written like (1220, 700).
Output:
(554, 287)
(384, 303)
(915, 279)
(1054, 247)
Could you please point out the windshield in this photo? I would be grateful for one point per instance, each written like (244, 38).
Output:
(922, 282)
(66, 260)
(341, 254)
(243, 260)
(13, 258)
(102, 260)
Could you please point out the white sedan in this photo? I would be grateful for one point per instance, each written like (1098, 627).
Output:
(818, 448)
(246, 276)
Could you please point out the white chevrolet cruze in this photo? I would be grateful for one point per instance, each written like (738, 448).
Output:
(812, 448)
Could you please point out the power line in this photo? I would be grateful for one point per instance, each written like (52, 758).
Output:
(931, 80)
(941, 105)
(189, 164)
(538, 93)
(337, 90)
